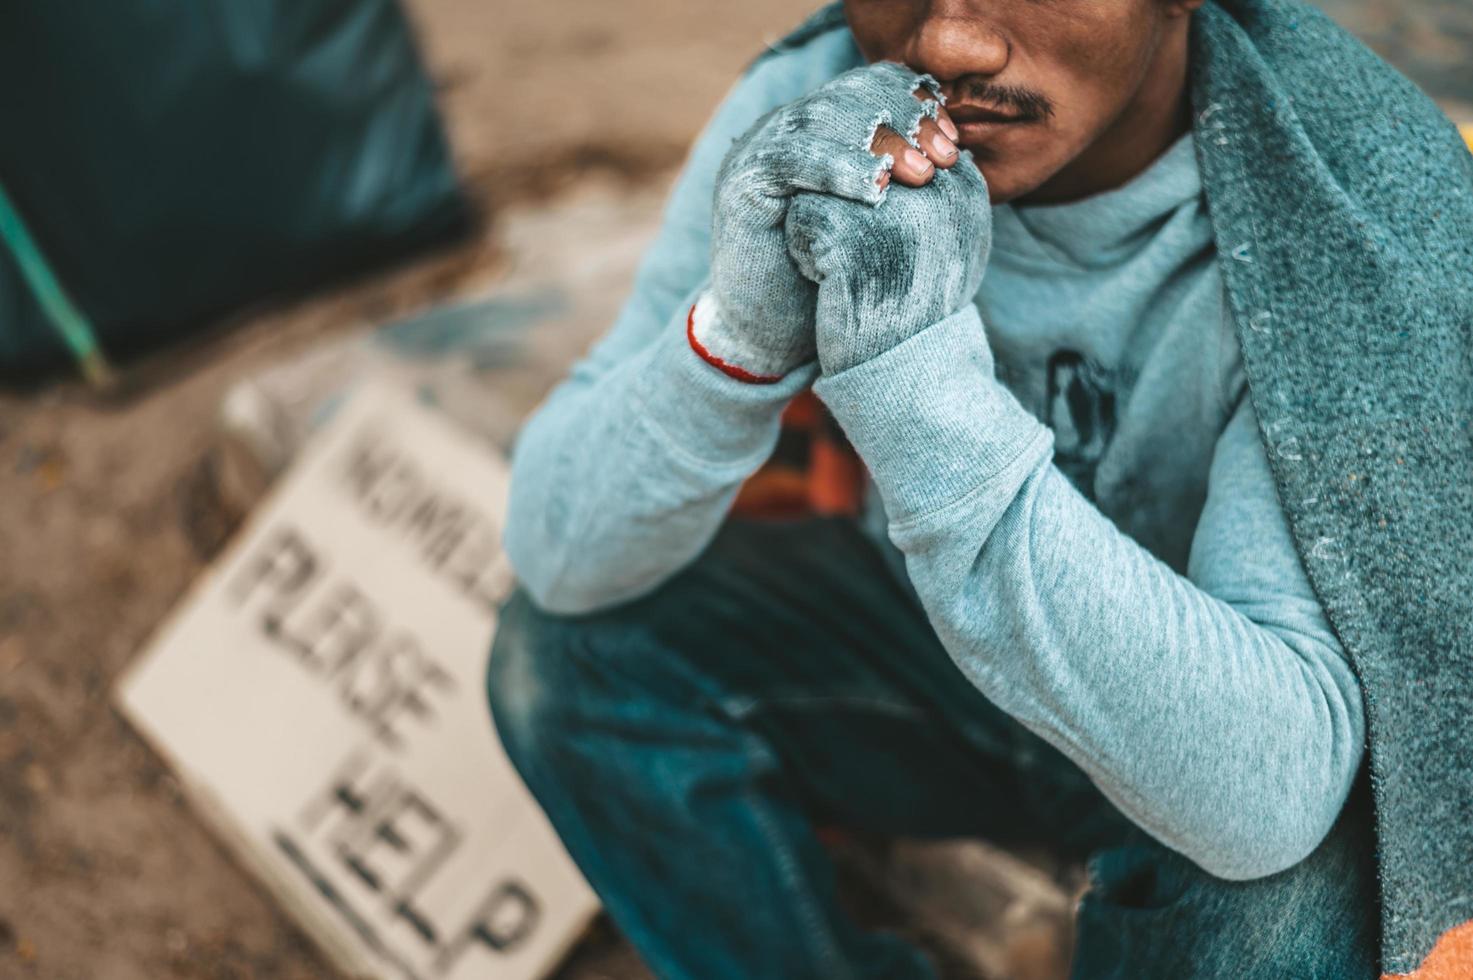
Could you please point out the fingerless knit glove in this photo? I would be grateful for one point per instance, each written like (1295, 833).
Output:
(756, 319)
(887, 271)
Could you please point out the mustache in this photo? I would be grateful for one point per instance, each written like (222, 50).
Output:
(1026, 103)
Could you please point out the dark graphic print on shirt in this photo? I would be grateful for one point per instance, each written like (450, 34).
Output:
(1079, 405)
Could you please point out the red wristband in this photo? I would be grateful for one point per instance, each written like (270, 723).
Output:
(730, 370)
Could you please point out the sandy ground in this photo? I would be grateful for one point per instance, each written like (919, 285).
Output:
(111, 505)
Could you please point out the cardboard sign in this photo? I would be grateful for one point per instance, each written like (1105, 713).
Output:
(322, 695)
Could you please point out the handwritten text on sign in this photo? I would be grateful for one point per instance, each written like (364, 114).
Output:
(323, 690)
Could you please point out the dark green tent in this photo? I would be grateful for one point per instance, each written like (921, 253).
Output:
(173, 159)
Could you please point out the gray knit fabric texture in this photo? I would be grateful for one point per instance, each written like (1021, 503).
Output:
(885, 272)
(1342, 203)
(818, 144)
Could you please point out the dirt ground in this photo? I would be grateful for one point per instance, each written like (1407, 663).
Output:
(110, 503)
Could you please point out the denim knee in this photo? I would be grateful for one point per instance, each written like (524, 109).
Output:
(527, 677)
(1152, 913)
(549, 674)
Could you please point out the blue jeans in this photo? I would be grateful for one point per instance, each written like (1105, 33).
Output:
(685, 744)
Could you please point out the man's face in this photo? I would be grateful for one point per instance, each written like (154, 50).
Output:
(1055, 98)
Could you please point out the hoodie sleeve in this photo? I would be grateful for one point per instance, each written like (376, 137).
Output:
(1216, 709)
(626, 470)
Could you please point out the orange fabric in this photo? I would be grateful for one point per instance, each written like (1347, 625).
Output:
(813, 471)
(835, 479)
(773, 494)
(1468, 135)
(803, 412)
(1450, 959)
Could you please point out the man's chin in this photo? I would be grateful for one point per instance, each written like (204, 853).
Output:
(1015, 160)
(1009, 181)
(1004, 183)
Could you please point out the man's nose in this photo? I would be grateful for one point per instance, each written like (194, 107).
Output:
(952, 43)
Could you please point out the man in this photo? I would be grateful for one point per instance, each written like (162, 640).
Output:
(1166, 512)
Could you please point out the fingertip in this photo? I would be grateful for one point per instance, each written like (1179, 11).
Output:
(908, 179)
(917, 162)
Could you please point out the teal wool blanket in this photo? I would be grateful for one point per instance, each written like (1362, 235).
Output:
(1342, 205)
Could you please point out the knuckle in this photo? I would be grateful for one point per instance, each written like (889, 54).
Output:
(888, 139)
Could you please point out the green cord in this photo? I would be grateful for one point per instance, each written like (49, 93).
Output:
(70, 322)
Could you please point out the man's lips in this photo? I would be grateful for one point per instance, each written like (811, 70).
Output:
(964, 114)
(977, 126)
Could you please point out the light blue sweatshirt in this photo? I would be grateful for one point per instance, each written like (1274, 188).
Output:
(1077, 492)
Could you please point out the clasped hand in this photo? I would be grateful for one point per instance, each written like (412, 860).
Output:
(815, 250)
